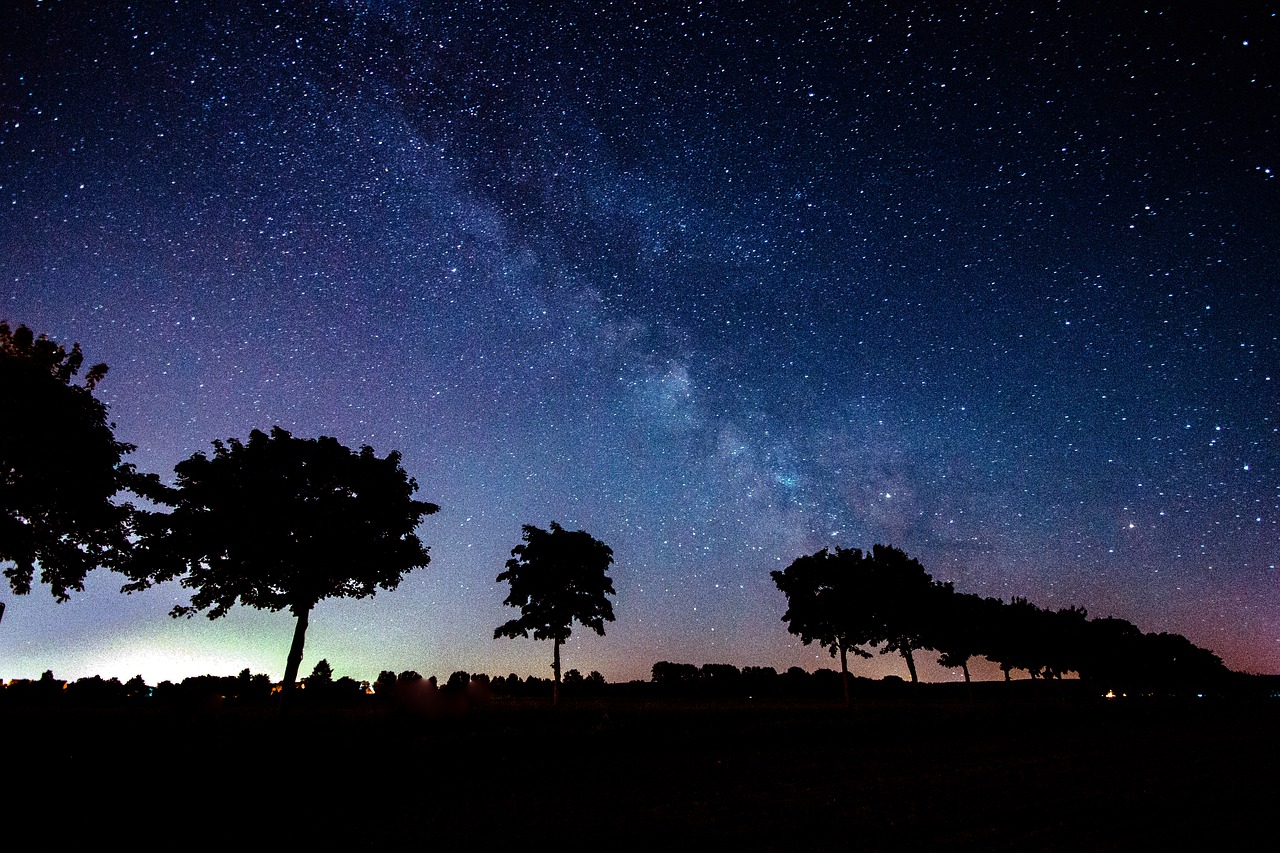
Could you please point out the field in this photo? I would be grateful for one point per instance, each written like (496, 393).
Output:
(925, 772)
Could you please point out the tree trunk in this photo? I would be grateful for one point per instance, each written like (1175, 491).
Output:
(844, 676)
(911, 662)
(968, 685)
(294, 660)
(555, 666)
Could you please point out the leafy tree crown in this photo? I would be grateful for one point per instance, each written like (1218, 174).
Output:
(61, 468)
(828, 601)
(281, 522)
(557, 576)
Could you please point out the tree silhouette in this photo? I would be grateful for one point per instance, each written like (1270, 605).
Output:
(282, 523)
(556, 577)
(1108, 655)
(321, 675)
(828, 601)
(955, 626)
(1024, 638)
(667, 673)
(901, 592)
(385, 684)
(1062, 639)
(61, 468)
(1172, 662)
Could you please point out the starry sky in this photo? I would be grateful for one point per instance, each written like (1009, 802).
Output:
(720, 283)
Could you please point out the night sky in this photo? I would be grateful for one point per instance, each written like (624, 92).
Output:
(720, 283)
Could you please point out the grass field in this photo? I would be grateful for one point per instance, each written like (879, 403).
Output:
(630, 774)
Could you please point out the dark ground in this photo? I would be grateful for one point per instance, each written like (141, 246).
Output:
(922, 773)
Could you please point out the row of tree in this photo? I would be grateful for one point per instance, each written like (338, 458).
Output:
(276, 523)
(282, 523)
(851, 602)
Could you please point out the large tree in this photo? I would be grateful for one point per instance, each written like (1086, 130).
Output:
(827, 602)
(557, 576)
(61, 468)
(281, 523)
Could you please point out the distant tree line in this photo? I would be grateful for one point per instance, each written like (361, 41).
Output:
(412, 695)
(407, 689)
(722, 680)
(243, 689)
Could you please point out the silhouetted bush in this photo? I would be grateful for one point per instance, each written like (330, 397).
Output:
(385, 684)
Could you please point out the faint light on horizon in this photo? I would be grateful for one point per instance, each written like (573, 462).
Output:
(157, 665)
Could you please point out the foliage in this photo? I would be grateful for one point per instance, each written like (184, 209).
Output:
(828, 601)
(667, 673)
(321, 675)
(846, 599)
(557, 576)
(282, 523)
(959, 626)
(61, 468)
(385, 683)
(901, 593)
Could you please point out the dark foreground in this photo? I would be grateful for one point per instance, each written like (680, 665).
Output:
(625, 774)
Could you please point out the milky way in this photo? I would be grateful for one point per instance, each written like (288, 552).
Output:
(721, 284)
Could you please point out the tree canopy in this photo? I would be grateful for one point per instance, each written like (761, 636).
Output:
(848, 599)
(557, 576)
(61, 468)
(282, 523)
(902, 594)
(828, 601)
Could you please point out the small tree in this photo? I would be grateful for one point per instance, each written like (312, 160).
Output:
(61, 468)
(827, 602)
(321, 675)
(556, 577)
(282, 523)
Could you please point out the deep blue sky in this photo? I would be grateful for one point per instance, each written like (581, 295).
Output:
(720, 283)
